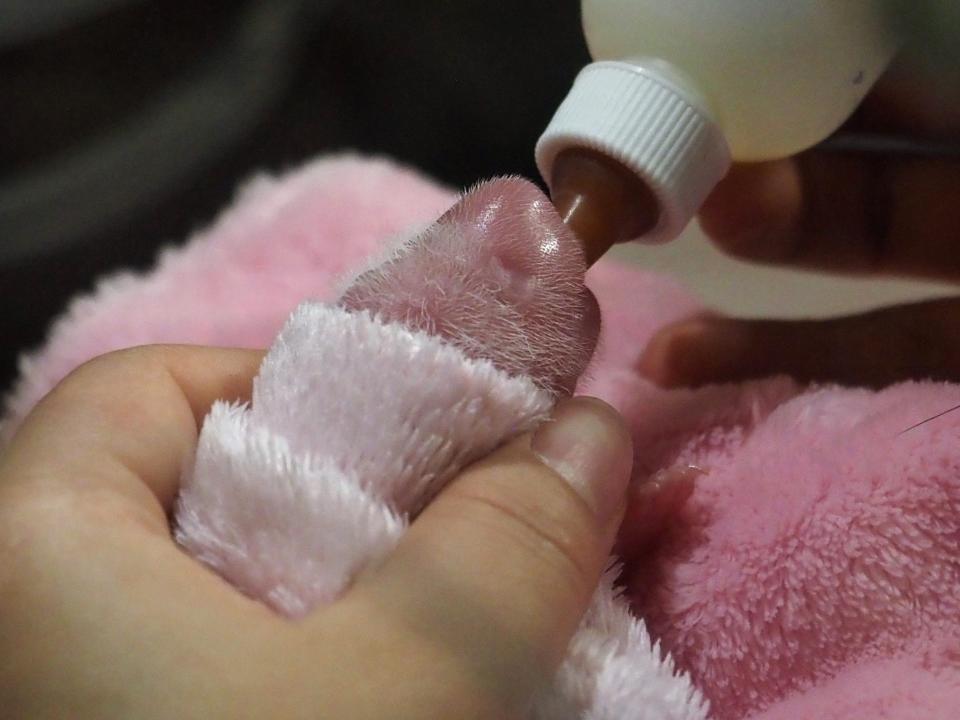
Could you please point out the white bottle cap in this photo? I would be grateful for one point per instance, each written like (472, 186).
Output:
(647, 121)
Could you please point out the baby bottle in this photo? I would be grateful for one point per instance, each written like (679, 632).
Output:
(681, 88)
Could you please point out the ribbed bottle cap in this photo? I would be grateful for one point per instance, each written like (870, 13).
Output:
(645, 121)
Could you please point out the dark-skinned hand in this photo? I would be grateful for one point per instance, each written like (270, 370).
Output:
(864, 214)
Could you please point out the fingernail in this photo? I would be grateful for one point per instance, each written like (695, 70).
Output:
(588, 445)
(653, 506)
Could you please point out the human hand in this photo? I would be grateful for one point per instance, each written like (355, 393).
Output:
(103, 616)
(867, 214)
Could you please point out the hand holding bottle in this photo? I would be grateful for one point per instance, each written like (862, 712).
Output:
(870, 214)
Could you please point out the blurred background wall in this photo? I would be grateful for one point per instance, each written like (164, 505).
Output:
(126, 124)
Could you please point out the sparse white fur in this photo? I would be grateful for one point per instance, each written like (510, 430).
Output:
(391, 250)
(452, 281)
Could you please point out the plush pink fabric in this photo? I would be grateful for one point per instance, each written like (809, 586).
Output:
(815, 571)
(285, 240)
(354, 423)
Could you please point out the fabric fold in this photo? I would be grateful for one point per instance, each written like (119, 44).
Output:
(353, 426)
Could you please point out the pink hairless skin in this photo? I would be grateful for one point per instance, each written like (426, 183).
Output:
(501, 277)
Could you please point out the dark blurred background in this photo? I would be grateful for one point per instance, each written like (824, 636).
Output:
(127, 124)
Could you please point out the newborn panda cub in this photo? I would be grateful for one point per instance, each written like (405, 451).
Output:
(500, 277)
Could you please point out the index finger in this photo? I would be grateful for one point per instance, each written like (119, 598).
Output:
(98, 606)
(840, 212)
(125, 424)
(856, 212)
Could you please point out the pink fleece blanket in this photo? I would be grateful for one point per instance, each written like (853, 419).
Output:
(813, 573)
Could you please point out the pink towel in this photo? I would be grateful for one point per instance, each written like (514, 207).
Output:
(814, 572)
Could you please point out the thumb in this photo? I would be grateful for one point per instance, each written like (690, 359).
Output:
(498, 571)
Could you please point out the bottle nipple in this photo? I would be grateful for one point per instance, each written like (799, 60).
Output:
(600, 200)
(630, 153)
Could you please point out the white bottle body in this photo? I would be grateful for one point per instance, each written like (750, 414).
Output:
(777, 76)
(681, 88)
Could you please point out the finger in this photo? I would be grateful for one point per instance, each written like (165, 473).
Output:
(652, 507)
(126, 423)
(494, 577)
(847, 213)
(86, 558)
(916, 341)
(911, 100)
